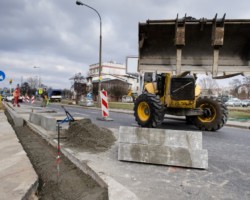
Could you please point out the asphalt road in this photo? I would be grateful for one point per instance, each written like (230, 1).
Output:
(228, 173)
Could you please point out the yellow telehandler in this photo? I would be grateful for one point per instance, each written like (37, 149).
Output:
(173, 52)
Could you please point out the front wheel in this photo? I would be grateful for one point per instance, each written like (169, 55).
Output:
(214, 116)
(148, 110)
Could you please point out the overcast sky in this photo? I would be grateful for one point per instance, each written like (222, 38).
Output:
(62, 39)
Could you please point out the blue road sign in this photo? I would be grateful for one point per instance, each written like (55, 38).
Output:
(2, 76)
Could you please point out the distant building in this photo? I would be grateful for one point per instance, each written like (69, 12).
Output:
(108, 68)
(114, 74)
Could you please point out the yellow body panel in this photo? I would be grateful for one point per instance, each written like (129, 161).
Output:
(166, 99)
(177, 104)
(197, 90)
(181, 104)
(150, 88)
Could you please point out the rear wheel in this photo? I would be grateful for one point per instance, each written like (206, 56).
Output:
(148, 110)
(214, 116)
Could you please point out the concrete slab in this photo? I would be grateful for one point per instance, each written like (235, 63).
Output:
(163, 137)
(49, 123)
(18, 179)
(165, 147)
(35, 118)
(163, 155)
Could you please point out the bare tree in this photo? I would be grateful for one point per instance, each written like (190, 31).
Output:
(79, 80)
(235, 83)
(33, 82)
(208, 85)
(246, 82)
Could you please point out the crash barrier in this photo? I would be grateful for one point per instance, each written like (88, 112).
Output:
(160, 146)
(105, 107)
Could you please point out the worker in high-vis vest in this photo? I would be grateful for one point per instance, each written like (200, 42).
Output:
(16, 95)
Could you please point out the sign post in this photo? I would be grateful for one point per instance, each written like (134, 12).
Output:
(2, 77)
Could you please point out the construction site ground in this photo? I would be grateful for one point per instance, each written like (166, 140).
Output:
(126, 180)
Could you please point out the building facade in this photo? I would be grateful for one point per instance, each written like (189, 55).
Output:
(112, 73)
(108, 68)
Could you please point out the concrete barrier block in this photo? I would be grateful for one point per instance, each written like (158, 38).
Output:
(187, 139)
(159, 146)
(164, 155)
(35, 118)
(48, 123)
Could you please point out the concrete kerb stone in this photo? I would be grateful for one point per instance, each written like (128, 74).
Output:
(18, 121)
(49, 123)
(35, 118)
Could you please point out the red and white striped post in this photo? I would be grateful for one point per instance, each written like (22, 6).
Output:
(32, 99)
(105, 105)
(27, 99)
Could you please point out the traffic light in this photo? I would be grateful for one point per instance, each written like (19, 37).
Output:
(10, 81)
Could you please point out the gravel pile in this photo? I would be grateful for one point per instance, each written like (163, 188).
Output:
(88, 136)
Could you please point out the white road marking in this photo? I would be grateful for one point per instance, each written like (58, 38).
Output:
(77, 113)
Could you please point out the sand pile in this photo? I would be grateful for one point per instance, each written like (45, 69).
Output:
(86, 135)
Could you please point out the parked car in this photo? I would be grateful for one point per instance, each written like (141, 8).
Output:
(127, 99)
(234, 102)
(245, 103)
(86, 101)
(10, 98)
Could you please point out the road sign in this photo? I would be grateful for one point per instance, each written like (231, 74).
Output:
(2, 75)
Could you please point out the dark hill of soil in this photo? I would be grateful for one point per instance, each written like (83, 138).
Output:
(88, 136)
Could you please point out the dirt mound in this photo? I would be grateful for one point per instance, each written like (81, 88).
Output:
(88, 136)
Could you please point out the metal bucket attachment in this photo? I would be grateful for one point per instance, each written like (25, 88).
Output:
(211, 46)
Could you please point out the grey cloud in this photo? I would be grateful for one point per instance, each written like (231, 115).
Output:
(53, 33)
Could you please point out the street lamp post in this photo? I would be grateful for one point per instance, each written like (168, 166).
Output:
(100, 48)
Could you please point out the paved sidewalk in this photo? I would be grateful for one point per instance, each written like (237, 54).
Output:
(18, 179)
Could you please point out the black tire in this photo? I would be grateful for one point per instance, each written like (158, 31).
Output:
(215, 114)
(190, 120)
(149, 110)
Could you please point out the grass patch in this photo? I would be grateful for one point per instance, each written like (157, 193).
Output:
(112, 105)
(239, 114)
(119, 105)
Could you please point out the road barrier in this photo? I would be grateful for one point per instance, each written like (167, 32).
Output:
(27, 99)
(105, 107)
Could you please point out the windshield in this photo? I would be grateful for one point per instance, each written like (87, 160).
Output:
(57, 93)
